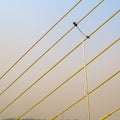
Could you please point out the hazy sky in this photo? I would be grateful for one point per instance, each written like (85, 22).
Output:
(23, 22)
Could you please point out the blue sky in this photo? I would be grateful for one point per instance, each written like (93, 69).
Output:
(23, 22)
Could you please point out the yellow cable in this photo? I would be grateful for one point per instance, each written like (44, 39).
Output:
(58, 62)
(48, 50)
(40, 39)
(67, 79)
(109, 114)
(76, 102)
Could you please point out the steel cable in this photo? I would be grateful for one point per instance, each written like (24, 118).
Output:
(48, 50)
(80, 99)
(58, 62)
(40, 39)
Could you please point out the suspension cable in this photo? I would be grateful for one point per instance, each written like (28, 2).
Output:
(48, 50)
(111, 113)
(40, 39)
(80, 99)
(58, 62)
(65, 81)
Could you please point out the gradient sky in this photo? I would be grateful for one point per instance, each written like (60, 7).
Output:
(23, 22)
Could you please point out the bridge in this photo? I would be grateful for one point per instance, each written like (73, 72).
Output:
(71, 71)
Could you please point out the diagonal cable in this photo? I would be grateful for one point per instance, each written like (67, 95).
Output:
(65, 81)
(111, 113)
(48, 49)
(40, 39)
(80, 99)
(58, 62)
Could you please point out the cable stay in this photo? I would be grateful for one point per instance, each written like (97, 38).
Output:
(111, 113)
(65, 81)
(39, 39)
(77, 46)
(90, 92)
(40, 57)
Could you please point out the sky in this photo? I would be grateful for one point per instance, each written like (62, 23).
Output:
(23, 22)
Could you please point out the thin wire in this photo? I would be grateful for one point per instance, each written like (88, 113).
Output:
(111, 113)
(86, 81)
(85, 73)
(80, 99)
(40, 39)
(75, 24)
(48, 50)
(65, 81)
(58, 62)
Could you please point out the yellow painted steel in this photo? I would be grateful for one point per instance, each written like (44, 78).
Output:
(40, 39)
(111, 113)
(68, 79)
(58, 62)
(48, 50)
(76, 102)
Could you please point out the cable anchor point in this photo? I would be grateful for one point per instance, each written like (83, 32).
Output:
(76, 25)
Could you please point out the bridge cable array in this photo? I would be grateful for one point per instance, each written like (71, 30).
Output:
(40, 39)
(48, 50)
(51, 68)
(65, 81)
(57, 63)
(80, 99)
